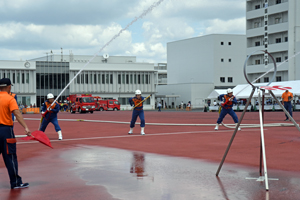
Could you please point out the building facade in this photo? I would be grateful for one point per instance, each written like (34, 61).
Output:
(197, 66)
(273, 25)
(110, 77)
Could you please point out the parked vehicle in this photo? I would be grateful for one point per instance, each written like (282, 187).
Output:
(107, 104)
(82, 103)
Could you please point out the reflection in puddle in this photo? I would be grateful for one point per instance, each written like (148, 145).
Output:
(137, 166)
(120, 172)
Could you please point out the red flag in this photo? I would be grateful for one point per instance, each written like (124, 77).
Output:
(39, 136)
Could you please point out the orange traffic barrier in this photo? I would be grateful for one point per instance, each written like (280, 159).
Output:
(31, 110)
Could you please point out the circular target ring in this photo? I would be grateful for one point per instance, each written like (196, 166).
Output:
(245, 64)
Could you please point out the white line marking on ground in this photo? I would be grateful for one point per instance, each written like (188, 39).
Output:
(125, 136)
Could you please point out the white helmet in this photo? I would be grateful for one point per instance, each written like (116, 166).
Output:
(229, 90)
(138, 92)
(50, 96)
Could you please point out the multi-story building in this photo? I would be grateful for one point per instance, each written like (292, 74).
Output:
(197, 66)
(161, 73)
(273, 25)
(110, 77)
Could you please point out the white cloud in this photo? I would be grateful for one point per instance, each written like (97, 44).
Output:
(231, 26)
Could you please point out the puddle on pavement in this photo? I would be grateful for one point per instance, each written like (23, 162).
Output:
(136, 175)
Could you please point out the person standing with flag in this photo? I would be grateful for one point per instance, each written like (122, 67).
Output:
(227, 108)
(50, 115)
(137, 111)
(8, 148)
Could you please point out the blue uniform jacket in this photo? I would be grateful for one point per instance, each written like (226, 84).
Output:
(53, 112)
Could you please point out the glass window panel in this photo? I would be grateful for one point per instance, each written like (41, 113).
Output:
(91, 79)
(95, 78)
(37, 81)
(86, 78)
(14, 78)
(27, 77)
(23, 78)
(103, 78)
(107, 78)
(18, 77)
(130, 78)
(119, 78)
(111, 79)
(123, 78)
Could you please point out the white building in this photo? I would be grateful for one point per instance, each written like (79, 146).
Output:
(110, 77)
(197, 66)
(273, 25)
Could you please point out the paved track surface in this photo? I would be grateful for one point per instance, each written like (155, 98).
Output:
(99, 160)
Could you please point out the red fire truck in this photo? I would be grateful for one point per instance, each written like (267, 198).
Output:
(82, 103)
(107, 104)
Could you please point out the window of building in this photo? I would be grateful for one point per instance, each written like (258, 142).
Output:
(278, 78)
(103, 78)
(111, 79)
(266, 45)
(257, 81)
(123, 78)
(23, 78)
(119, 78)
(229, 60)
(229, 43)
(256, 24)
(91, 78)
(99, 79)
(278, 40)
(278, 59)
(135, 79)
(27, 77)
(230, 79)
(285, 39)
(277, 20)
(266, 28)
(266, 79)
(266, 10)
(257, 44)
(139, 79)
(86, 79)
(82, 78)
(146, 79)
(143, 79)
(222, 43)
(266, 62)
(14, 78)
(107, 78)
(95, 78)
(131, 79)
(149, 78)
(222, 59)
(257, 62)
(278, 1)
(257, 7)
(266, 22)
(266, 34)
(222, 79)
(127, 79)
(286, 59)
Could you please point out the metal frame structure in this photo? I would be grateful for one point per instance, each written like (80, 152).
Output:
(261, 92)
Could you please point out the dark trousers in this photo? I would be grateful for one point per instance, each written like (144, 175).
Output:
(288, 107)
(9, 153)
(224, 112)
(46, 122)
(135, 114)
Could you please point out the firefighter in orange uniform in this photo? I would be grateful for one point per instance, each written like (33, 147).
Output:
(8, 149)
(51, 115)
(137, 112)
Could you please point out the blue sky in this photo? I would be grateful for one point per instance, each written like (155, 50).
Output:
(30, 28)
